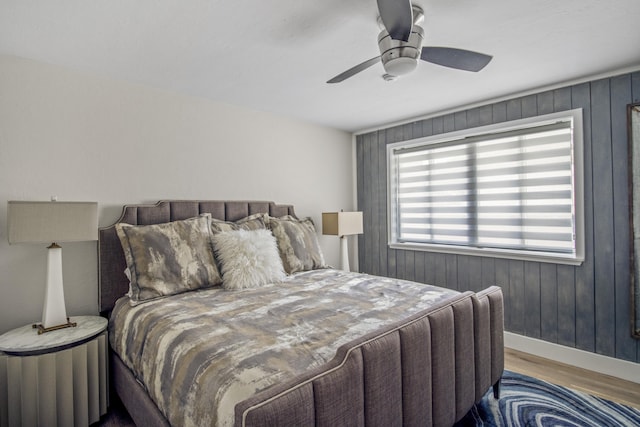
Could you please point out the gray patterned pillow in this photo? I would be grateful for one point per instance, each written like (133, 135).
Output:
(297, 243)
(248, 258)
(252, 222)
(170, 258)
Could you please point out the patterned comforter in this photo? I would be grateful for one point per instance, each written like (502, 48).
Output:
(200, 353)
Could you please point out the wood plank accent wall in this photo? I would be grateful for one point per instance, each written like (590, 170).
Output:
(587, 306)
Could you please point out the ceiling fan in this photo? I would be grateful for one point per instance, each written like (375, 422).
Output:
(400, 43)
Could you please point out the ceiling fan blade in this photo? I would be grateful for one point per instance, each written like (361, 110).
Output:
(397, 17)
(460, 59)
(355, 70)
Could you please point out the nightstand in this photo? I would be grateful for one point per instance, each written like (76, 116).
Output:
(58, 378)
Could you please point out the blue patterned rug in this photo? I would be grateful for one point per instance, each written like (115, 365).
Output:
(526, 401)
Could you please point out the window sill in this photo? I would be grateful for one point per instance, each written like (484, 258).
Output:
(491, 253)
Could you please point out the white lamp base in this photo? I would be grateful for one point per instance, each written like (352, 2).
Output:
(54, 312)
(344, 254)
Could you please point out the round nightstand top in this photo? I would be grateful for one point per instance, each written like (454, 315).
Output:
(25, 340)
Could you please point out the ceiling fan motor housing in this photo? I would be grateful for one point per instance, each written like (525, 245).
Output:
(399, 57)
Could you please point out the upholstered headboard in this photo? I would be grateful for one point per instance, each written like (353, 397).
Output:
(111, 263)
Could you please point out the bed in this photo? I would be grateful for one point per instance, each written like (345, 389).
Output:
(414, 355)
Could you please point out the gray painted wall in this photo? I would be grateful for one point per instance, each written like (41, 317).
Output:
(586, 307)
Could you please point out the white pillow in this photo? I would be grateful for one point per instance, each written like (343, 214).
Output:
(249, 258)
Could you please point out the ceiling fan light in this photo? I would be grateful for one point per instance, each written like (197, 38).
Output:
(400, 66)
(399, 57)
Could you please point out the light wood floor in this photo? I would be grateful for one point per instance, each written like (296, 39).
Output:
(601, 385)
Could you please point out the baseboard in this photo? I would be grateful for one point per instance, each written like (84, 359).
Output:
(623, 369)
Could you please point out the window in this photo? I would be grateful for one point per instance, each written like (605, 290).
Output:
(512, 190)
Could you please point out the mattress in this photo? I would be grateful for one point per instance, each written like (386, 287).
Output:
(200, 353)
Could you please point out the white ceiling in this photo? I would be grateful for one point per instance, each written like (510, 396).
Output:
(276, 55)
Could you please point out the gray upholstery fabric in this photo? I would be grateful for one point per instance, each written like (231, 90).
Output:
(415, 339)
(464, 356)
(138, 403)
(443, 367)
(339, 395)
(482, 335)
(295, 409)
(251, 222)
(383, 375)
(496, 310)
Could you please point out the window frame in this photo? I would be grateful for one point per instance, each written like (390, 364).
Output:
(575, 117)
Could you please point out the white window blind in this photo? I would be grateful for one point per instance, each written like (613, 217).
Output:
(511, 190)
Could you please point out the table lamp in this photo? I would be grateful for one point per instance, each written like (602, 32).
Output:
(342, 224)
(52, 222)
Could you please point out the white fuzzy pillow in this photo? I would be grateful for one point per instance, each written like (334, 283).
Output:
(248, 258)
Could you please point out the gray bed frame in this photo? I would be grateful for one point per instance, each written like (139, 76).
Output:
(427, 370)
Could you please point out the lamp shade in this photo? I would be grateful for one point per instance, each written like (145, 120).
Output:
(341, 223)
(47, 222)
